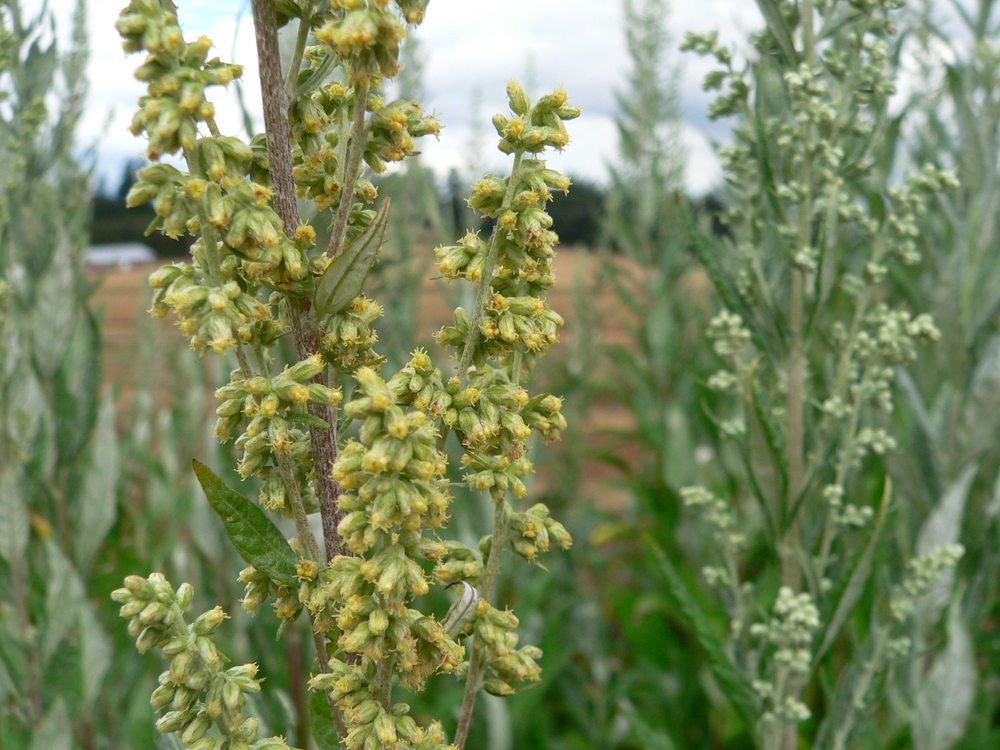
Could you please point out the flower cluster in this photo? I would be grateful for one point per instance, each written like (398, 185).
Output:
(505, 663)
(790, 631)
(177, 72)
(497, 344)
(716, 512)
(348, 336)
(366, 34)
(372, 725)
(260, 587)
(394, 488)
(321, 146)
(396, 469)
(270, 408)
(197, 692)
(921, 575)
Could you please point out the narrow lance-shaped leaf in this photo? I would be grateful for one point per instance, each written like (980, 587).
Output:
(726, 288)
(776, 22)
(765, 462)
(944, 703)
(96, 508)
(97, 653)
(651, 738)
(733, 683)
(943, 527)
(345, 277)
(253, 534)
(65, 600)
(56, 730)
(14, 525)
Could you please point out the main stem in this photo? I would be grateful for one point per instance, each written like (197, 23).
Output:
(791, 544)
(305, 329)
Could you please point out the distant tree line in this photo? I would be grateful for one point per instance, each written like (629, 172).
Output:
(578, 216)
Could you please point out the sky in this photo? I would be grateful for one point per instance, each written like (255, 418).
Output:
(470, 49)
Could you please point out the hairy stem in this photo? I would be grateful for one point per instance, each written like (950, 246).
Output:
(355, 151)
(477, 662)
(298, 508)
(791, 544)
(305, 329)
(292, 79)
(485, 282)
(383, 682)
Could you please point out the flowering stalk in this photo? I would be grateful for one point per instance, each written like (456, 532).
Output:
(254, 278)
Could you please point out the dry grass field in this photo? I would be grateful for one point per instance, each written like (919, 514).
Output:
(123, 297)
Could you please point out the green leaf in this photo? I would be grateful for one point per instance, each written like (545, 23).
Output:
(55, 731)
(345, 277)
(30, 419)
(944, 703)
(255, 537)
(723, 281)
(855, 586)
(14, 524)
(308, 419)
(649, 737)
(733, 682)
(38, 71)
(776, 23)
(64, 600)
(927, 453)
(942, 527)
(321, 725)
(763, 455)
(75, 389)
(54, 314)
(97, 655)
(96, 508)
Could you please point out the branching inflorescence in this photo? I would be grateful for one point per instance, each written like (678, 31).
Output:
(255, 277)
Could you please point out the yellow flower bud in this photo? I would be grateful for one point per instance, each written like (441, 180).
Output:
(196, 728)
(385, 729)
(378, 621)
(519, 102)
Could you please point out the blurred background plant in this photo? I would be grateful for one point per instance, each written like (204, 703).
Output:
(948, 463)
(59, 457)
(94, 480)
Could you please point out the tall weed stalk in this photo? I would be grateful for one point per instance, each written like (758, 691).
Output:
(254, 280)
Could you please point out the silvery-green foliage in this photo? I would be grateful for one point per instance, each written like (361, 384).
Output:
(809, 340)
(59, 464)
(948, 457)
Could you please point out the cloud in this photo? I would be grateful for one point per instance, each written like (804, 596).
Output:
(471, 49)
